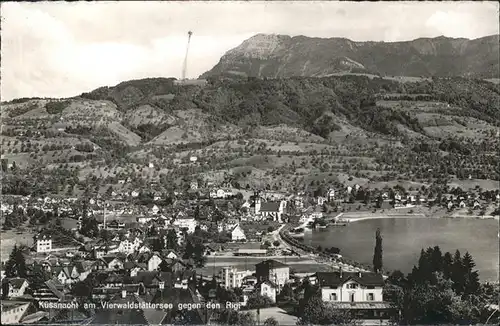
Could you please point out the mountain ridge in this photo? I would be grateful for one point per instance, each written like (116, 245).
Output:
(277, 55)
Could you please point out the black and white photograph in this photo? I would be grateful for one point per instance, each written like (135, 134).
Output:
(250, 163)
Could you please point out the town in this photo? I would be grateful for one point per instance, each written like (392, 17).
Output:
(249, 163)
(204, 246)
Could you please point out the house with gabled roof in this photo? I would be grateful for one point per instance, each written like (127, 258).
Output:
(358, 291)
(113, 262)
(14, 287)
(350, 286)
(270, 209)
(14, 311)
(237, 233)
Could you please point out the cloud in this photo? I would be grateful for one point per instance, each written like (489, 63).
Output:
(60, 49)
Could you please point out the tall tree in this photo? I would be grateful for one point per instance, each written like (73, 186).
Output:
(199, 256)
(171, 240)
(447, 265)
(16, 265)
(471, 277)
(457, 273)
(377, 255)
(189, 250)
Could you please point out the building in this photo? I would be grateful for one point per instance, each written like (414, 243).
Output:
(221, 193)
(274, 271)
(14, 287)
(154, 262)
(43, 242)
(350, 286)
(185, 222)
(268, 289)
(66, 274)
(14, 311)
(359, 291)
(129, 245)
(112, 262)
(270, 209)
(232, 278)
(237, 234)
(330, 195)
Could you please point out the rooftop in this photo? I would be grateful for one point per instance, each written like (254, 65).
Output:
(337, 278)
(271, 264)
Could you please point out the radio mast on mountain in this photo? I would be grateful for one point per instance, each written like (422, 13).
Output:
(184, 67)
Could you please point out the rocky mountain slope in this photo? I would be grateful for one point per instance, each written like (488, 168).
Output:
(283, 56)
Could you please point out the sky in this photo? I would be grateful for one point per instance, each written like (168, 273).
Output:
(61, 49)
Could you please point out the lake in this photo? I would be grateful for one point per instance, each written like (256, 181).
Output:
(404, 237)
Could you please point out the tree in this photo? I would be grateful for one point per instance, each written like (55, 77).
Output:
(39, 277)
(471, 279)
(199, 256)
(157, 244)
(16, 264)
(189, 250)
(89, 227)
(233, 317)
(457, 273)
(271, 321)
(377, 255)
(257, 300)
(317, 312)
(286, 294)
(171, 239)
(83, 289)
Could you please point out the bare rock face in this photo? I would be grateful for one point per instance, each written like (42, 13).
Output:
(274, 56)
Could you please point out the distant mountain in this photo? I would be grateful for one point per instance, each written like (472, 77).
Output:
(283, 56)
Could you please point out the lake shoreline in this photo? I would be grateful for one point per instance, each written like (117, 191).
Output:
(405, 235)
(372, 216)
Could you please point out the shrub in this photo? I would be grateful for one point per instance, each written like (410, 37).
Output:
(56, 107)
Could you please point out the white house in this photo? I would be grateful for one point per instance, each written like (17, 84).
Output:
(232, 278)
(350, 286)
(268, 289)
(330, 195)
(221, 193)
(171, 255)
(185, 222)
(134, 193)
(237, 234)
(14, 287)
(43, 242)
(113, 262)
(193, 159)
(144, 219)
(154, 262)
(14, 311)
(67, 274)
(129, 245)
(359, 291)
